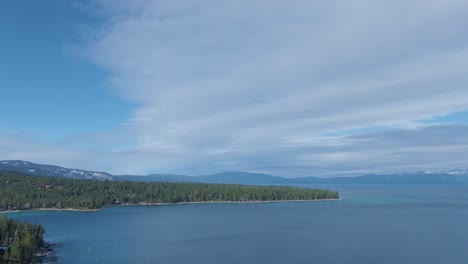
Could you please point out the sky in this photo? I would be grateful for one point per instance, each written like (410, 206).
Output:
(291, 88)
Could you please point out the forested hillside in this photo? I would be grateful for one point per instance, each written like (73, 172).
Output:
(18, 191)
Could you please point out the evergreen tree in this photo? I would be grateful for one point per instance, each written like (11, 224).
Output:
(26, 192)
(22, 246)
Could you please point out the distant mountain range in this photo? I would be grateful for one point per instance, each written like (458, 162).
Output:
(444, 177)
(223, 177)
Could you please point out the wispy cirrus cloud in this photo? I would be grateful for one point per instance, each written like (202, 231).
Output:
(255, 85)
(249, 76)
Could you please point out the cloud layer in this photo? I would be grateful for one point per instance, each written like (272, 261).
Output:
(292, 88)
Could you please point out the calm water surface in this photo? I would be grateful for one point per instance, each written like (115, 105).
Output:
(372, 224)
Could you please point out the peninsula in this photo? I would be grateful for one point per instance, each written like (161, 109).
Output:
(25, 192)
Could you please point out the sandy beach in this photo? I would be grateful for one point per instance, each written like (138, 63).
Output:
(50, 209)
(233, 202)
(156, 204)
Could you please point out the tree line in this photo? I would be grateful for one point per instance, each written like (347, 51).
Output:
(19, 242)
(19, 191)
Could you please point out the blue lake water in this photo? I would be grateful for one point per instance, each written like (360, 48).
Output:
(371, 224)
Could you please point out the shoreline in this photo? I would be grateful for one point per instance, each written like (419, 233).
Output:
(165, 204)
(50, 209)
(228, 202)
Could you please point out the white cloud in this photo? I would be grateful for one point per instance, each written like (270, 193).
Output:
(254, 85)
(247, 76)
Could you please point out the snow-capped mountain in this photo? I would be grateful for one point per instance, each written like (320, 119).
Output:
(50, 170)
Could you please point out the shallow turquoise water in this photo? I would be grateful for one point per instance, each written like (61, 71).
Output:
(371, 224)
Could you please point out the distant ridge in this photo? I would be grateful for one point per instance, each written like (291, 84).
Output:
(449, 177)
(51, 170)
(233, 177)
(403, 178)
(223, 177)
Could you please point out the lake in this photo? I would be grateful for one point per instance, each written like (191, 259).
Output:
(371, 224)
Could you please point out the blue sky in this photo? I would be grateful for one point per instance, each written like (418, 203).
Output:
(48, 91)
(292, 88)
